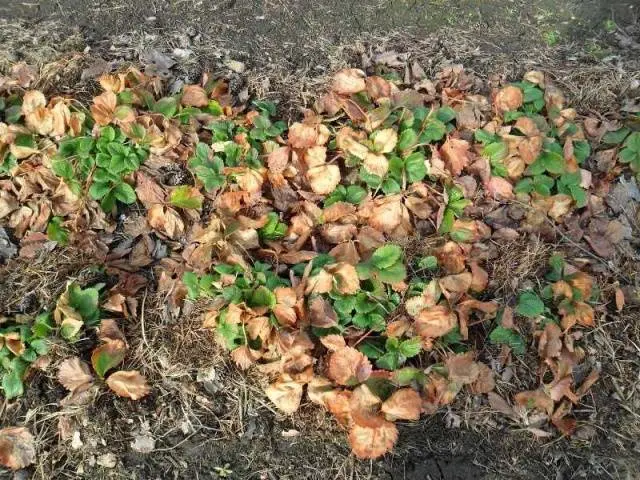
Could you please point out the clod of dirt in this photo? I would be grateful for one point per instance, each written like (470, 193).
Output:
(7, 248)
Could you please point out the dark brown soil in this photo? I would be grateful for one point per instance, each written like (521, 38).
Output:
(287, 47)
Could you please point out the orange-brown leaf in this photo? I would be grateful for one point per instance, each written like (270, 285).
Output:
(348, 366)
(194, 96)
(373, 442)
(455, 153)
(404, 404)
(285, 395)
(128, 384)
(74, 375)
(17, 449)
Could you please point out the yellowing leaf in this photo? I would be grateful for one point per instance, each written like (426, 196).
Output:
(384, 141)
(107, 356)
(128, 384)
(376, 164)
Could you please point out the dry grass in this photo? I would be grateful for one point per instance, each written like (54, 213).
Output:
(31, 285)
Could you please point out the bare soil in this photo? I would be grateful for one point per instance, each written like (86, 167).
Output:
(207, 418)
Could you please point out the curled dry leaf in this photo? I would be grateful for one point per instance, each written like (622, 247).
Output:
(333, 342)
(129, 384)
(455, 153)
(348, 366)
(285, 395)
(104, 108)
(17, 449)
(322, 314)
(74, 375)
(403, 404)
(373, 442)
(166, 221)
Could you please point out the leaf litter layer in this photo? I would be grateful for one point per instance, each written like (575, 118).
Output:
(300, 239)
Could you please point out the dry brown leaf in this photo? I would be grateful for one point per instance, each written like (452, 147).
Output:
(499, 188)
(194, 96)
(435, 322)
(74, 375)
(550, 343)
(302, 135)
(458, 283)
(278, 159)
(403, 404)
(17, 448)
(128, 384)
(509, 99)
(485, 382)
(535, 399)
(462, 369)
(166, 221)
(148, 190)
(324, 179)
(348, 366)
(321, 313)
(373, 442)
(333, 342)
(243, 356)
(104, 108)
(285, 395)
(455, 153)
(348, 81)
(346, 278)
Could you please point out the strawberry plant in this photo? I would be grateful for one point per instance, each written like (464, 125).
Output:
(103, 163)
(22, 341)
(385, 265)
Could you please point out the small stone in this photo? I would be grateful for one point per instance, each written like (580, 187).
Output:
(76, 441)
(107, 460)
(235, 66)
(143, 444)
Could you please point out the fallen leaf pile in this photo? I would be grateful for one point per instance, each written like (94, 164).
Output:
(295, 235)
